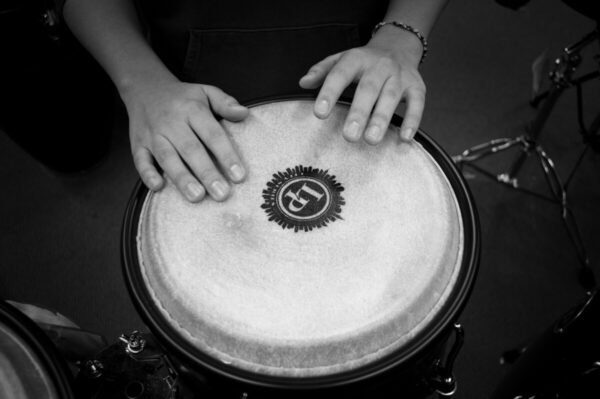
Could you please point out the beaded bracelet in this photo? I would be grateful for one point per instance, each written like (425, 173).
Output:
(407, 28)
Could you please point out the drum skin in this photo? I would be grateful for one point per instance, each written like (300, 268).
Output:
(411, 354)
(30, 366)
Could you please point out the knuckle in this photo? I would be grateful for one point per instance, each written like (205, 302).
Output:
(339, 74)
(211, 136)
(136, 137)
(412, 119)
(208, 173)
(357, 52)
(205, 87)
(190, 149)
(419, 87)
(162, 154)
(368, 84)
(189, 107)
(379, 119)
(358, 115)
(417, 84)
(418, 94)
(195, 90)
(182, 179)
(394, 94)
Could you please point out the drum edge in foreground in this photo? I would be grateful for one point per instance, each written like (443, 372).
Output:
(51, 363)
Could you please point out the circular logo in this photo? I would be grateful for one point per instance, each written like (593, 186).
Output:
(303, 198)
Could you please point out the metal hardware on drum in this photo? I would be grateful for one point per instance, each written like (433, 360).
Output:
(561, 77)
(92, 368)
(443, 381)
(133, 368)
(134, 342)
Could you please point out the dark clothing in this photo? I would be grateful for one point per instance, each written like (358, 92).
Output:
(255, 49)
(55, 100)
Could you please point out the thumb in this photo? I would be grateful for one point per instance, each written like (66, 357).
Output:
(225, 105)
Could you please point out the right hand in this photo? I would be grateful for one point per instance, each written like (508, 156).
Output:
(173, 124)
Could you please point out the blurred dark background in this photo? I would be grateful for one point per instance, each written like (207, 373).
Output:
(60, 231)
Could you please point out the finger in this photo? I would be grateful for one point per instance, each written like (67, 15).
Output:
(341, 75)
(168, 158)
(197, 158)
(225, 105)
(216, 140)
(368, 90)
(387, 103)
(415, 103)
(142, 158)
(317, 73)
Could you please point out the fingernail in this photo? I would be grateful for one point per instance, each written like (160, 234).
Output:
(322, 107)
(194, 190)
(407, 133)
(352, 131)
(373, 133)
(219, 189)
(237, 172)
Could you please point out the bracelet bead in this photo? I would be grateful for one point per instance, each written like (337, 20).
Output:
(407, 28)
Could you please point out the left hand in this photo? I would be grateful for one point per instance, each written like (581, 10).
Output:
(385, 77)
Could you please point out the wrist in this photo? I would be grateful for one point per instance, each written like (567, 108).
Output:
(400, 43)
(131, 85)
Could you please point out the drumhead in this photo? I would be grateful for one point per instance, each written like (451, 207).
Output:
(329, 258)
(29, 366)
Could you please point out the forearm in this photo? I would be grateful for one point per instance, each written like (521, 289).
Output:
(420, 14)
(111, 32)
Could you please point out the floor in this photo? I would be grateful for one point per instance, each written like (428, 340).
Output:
(60, 235)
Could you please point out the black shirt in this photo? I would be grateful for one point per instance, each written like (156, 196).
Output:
(255, 49)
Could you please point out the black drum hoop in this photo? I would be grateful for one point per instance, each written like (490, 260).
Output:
(50, 360)
(439, 326)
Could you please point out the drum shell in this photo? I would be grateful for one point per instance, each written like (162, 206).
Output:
(408, 370)
(409, 379)
(49, 361)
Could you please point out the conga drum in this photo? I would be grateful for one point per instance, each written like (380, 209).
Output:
(334, 266)
(30, 366)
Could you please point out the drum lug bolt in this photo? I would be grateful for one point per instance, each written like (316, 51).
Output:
(442, 380)
(134, 342)
(93, 368)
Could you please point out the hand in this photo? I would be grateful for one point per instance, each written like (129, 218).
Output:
(171, 122)
(385, 76)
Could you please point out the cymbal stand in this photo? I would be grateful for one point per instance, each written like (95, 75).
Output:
(561, 78)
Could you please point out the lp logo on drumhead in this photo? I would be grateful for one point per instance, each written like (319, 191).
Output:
(303, 198)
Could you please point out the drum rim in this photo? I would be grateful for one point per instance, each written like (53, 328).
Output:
(440, 324)
(45, 351)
